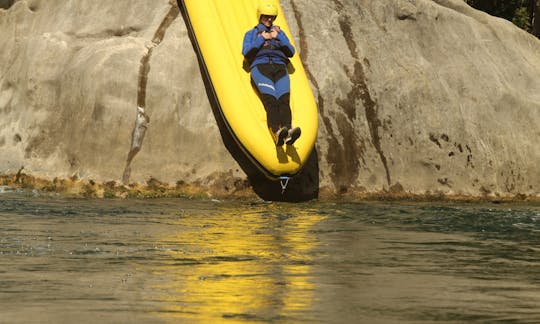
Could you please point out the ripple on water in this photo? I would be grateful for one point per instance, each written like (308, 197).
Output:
(204, 261)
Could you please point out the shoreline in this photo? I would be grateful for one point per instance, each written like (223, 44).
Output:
(236, 189)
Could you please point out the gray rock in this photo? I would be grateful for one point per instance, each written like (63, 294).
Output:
(415, 96)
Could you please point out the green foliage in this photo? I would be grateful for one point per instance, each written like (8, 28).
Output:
(517, 11)
(522, 19)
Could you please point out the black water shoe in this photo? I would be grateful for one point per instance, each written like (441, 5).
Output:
(280, 136)
(293, 135)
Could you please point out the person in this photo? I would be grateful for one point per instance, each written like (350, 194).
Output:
(267, 49)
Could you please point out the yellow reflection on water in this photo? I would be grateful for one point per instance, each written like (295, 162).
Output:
(240, 266)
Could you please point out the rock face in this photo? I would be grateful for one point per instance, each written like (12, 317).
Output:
(415, 96)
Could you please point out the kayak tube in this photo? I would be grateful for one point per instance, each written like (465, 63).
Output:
(217, 28)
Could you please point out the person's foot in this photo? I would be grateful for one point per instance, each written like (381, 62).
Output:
(280, 136)
(293, 135)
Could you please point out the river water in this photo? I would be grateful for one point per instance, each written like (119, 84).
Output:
(65, 260)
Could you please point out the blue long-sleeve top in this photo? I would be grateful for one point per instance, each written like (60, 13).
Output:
(257, 50)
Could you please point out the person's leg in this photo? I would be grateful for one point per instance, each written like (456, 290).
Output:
(271, 106)
(283, 92)
(267, 93)
(262, 79)
(285, 110)
(283, 87)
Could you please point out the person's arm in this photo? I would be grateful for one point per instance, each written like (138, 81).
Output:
(252, 44)
(286, 47)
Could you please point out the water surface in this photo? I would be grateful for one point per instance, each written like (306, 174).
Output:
(186, 261)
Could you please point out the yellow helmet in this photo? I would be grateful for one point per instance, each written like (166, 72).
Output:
(266, 8)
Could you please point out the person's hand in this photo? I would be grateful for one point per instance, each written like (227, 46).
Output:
(266, 35)
(275, 31)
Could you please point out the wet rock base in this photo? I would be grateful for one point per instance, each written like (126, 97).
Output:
(225, 188)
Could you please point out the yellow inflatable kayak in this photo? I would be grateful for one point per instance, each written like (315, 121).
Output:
(218, 28)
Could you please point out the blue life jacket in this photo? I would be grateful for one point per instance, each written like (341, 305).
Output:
(258, 50)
